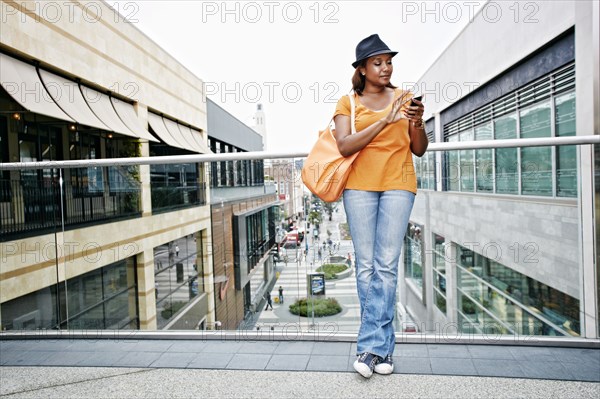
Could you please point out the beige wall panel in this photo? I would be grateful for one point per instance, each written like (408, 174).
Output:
(30, 264)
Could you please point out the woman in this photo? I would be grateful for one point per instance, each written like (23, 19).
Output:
(379, 194)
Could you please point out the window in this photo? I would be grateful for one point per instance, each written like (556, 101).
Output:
(466, 163)
(507, 162)
(100, 299)
(178, 267)
(425, 170)
(222, 167)
(526, 113)
(86, 181)
(566, 156)
(5, 188)
(484, 160)
(452, 167)
(536, 162)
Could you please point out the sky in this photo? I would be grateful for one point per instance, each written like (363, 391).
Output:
(293, 57)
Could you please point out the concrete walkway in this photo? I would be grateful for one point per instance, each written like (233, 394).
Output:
(98, 382)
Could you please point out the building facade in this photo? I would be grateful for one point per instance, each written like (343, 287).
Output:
(244, 212)
(502, 241)
(99, 247)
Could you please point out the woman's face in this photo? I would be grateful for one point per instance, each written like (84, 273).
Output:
(378, 69)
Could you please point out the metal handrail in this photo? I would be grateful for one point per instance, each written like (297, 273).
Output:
(238, 156)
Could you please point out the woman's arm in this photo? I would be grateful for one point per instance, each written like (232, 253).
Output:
(416, 128)
(418, 139)
(349, 143)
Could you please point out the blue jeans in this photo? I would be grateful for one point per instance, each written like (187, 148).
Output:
(378, 222)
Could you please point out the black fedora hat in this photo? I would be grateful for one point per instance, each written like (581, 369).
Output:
(369, 47)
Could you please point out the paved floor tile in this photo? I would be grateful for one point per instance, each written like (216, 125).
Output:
(583, 372)
(576, 355)
(102, 345)
(24, 358)
(174, 360)
(247, 361)
(294, 348)
(138, 359)
(498, 368)
(332, 348)
(544, 369)
(411, 350)
(210, 361)
(351, 360)
(458, 351)
(222, 347)
(452, 366)
(560, 363)
(532, 353)
(412, 365)
(150, 346)
(18, 346)
(288, 362)
(188, 346)
(102, 359)
(489, 352)
(66, 358)
(47, 346)
(258, 347)
(327, 363)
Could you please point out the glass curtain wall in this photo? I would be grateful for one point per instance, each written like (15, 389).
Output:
(545, 108)
(103, 299)
(178, 270)
(493, 298)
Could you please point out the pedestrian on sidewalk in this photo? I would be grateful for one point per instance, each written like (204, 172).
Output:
(380, 192)
(176, 250)
(280, 294)
(269, 302)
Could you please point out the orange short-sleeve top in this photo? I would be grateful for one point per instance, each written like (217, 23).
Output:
(386, 163)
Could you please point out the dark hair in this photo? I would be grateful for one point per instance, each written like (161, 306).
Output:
(358, 80)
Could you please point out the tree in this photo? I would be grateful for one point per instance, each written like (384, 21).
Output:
(330, 207)
(315, 217)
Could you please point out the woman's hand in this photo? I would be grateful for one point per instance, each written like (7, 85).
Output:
(414, 112)
(395, 115)
(416, 129)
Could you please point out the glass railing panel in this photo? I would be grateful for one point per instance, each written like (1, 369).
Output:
(41, 201)
(488, 262)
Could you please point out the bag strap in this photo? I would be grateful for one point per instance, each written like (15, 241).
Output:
(352, 112)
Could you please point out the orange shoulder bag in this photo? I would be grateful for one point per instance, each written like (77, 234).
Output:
(325, 171)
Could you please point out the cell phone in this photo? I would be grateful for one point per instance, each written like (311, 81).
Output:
(415, 98)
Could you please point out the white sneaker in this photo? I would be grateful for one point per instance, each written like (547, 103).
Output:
(385, 366)
(365, 363)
